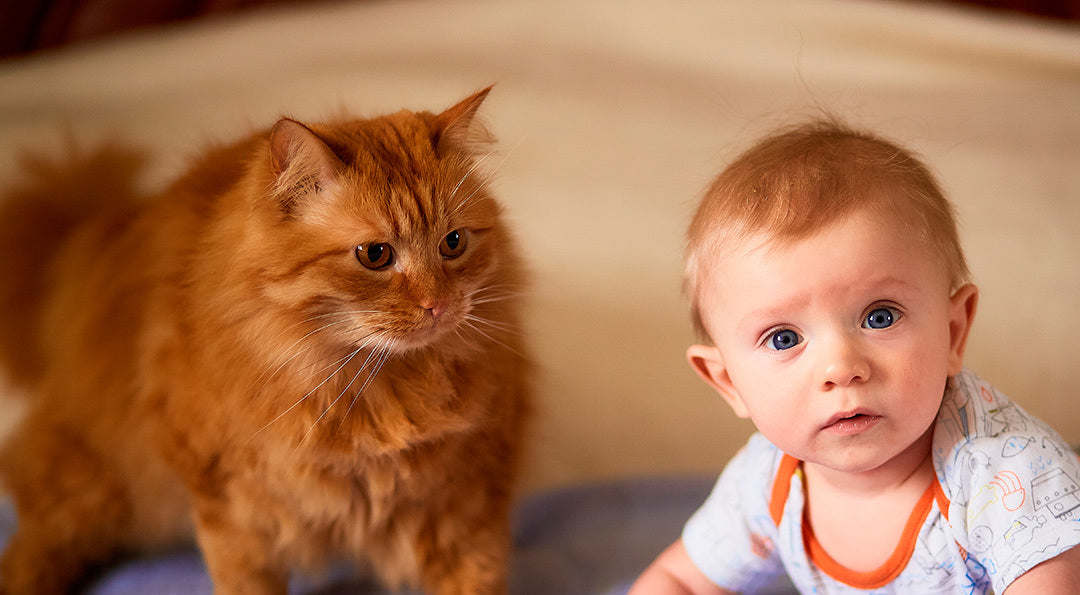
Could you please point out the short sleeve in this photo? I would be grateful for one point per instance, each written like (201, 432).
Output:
(732, 537)
(1012, 482)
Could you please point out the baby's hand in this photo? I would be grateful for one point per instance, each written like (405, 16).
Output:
(674, 573)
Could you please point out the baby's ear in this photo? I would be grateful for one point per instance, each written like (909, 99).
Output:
(962, 306)
(709, 365)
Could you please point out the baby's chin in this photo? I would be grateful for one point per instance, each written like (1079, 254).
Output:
(861, 460)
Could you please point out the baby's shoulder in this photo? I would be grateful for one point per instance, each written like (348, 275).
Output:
(974, 413)
(983, 438)
(1011, 484)
(757, 459)
(751, 473)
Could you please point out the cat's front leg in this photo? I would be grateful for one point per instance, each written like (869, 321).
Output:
(466, 556)
(239, 558)
(473, 575)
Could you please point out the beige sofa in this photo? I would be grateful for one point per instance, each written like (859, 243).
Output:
(612, 117)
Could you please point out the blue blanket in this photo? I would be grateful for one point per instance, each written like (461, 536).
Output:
(587, 540)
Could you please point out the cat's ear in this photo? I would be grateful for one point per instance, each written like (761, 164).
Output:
(300, 161)
(459, 126)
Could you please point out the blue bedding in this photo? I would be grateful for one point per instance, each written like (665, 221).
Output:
(591, 539)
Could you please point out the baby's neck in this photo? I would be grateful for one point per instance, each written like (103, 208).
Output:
(859, 518)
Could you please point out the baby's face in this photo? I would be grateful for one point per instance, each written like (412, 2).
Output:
(838, 346)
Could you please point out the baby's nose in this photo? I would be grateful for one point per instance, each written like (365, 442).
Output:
(845, 364)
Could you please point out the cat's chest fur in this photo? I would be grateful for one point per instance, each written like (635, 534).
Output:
(346, 480)
(409, 402)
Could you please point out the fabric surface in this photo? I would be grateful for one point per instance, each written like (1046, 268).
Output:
(590, 539)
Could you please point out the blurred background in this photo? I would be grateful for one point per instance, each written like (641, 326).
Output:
(612, 117)
(31, 25)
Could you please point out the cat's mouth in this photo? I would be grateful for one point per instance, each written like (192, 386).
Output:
(434, 325)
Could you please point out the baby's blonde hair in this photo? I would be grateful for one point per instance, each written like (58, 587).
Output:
(800, 180)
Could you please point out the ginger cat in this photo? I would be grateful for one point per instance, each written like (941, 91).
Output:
(306, 348)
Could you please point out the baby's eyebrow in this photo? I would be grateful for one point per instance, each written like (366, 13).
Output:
(884, 288)
(758, 320)
(891, 285)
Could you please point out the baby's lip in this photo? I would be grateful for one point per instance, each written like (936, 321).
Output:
(848, 414)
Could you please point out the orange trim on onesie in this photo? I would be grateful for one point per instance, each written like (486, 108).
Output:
(873, 579)
(887, 572)
(782, 486)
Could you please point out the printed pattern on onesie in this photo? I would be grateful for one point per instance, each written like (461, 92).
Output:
(1007, 499)
(731, 538)
(1013, 483)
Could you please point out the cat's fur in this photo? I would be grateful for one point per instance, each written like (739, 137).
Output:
(217, 358)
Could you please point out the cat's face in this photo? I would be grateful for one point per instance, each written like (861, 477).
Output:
(403, 257)
(395, 243)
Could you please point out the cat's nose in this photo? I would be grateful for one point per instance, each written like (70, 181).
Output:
(435, 308)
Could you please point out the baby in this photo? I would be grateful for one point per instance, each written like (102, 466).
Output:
(827, 280)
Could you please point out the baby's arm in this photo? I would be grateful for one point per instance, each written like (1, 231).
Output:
(674, 573)
(1058, 575)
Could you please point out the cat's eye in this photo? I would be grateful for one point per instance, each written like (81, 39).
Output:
(454, 244)
(375, 256)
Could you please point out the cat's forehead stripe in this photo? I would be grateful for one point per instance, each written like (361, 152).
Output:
(405, 188)
(404, 160)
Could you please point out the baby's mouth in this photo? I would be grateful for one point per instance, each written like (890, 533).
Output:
(852, 422)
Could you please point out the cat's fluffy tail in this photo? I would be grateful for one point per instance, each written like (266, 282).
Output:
(36, 218)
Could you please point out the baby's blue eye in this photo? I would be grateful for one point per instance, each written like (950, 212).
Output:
(880, 318)
(784, 339)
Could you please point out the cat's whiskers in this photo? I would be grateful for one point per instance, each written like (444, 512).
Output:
(265, 377)
(277, 365)
(491, 297)
(344, 361)
(492, 293)
(377, 358)
(304, 398)
(377, 349)
(488, 175)
(366, 339)
(371, 376)
(469, 322)
(501, 326)
(476, 164)
(516, 288)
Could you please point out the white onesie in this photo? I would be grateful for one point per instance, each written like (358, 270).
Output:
(1006, 498)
